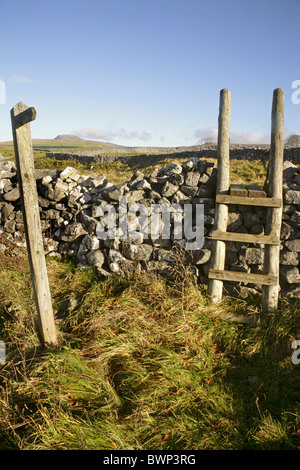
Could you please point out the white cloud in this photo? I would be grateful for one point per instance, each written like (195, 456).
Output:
(241, 137)
(21, 79)
(110, 135)
(238, 137)
(93, 133)
(207, 134)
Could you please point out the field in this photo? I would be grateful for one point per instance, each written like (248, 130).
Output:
(144, 363)
(116, 172)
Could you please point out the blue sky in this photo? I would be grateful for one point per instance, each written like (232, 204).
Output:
(149, 72)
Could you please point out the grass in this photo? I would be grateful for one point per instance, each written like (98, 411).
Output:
(241, 172)
(115, 172)
(248, 172)
(144, 365)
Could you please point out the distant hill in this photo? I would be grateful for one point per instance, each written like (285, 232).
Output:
(64, 140)
(67, 143)
(69, 138)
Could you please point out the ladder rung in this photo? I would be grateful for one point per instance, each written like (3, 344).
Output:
(244, 238)
(248, 201)
(237, 276)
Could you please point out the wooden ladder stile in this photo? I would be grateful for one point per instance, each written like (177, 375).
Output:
(271, 199)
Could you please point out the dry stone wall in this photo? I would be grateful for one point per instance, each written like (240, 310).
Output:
(237, 152)
(72, 208)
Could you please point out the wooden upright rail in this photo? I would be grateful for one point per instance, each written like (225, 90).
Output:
(274, 215)
(272, 201)
(21, 116)
(215, 287)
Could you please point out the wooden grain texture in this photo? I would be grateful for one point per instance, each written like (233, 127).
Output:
(249, 201)
(215, 287)
(245, 238)
(274, 215)
(26, 116)
(32, 224)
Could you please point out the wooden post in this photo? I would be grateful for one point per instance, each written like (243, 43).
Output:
(21, 116)
(215, 286)
(274, 215)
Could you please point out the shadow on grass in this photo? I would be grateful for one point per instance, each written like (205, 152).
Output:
(264, 382)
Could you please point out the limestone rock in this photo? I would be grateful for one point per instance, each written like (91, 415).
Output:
(12, 195)
(235, 220)
(293, 245)
(290, 275)
(296, 218)
(169, 189)
(189, 190)
(250, 219)
(5, 185)
(192, 178)
(69, 173)
(95, 258)
(289, 258)
(73, 231)
(292, 197)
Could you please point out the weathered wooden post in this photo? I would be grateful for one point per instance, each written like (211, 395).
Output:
(21, 116)
(274, 215)
(215, 286)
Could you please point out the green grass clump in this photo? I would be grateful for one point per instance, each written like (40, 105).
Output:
(241, 171)
(248, 172)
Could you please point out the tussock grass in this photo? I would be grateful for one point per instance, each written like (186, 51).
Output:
(144, 364)
(248, 171)
(241, 171)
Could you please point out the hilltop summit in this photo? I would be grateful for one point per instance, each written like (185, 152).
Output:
(68, 137)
